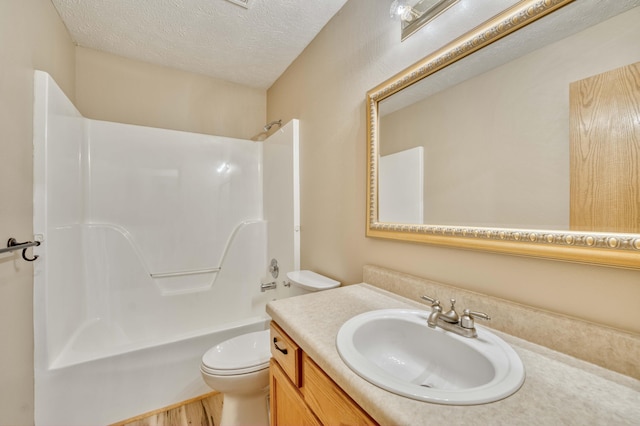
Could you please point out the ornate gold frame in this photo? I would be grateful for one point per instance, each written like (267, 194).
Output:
(597, 248)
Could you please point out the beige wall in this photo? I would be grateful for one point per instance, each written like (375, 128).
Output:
(113, 88)
(31, 37)
(325, 87)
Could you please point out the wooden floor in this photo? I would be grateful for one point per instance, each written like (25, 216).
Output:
(202, 411)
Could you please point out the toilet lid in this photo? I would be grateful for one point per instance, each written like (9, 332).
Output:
(240, 355)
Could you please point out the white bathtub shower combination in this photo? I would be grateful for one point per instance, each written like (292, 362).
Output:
(155, 243)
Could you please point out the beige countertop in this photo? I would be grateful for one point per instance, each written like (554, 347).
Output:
(558, 389)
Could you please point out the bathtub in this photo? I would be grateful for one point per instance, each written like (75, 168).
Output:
(113, 342)
(118, 387)
(117, 343)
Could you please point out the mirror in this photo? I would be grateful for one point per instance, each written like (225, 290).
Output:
(522, 137)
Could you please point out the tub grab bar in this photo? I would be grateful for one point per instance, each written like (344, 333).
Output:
(13, 245)
(182, 273)
(208, 270)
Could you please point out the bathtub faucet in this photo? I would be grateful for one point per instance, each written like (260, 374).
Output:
(268, 286)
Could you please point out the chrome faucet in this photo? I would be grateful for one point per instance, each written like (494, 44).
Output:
(450, 321)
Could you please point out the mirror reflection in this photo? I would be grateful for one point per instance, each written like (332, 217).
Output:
(537, 131)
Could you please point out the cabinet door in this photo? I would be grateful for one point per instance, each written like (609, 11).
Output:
(287, 406)
(330, 403)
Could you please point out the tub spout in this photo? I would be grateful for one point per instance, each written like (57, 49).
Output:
(268, 286)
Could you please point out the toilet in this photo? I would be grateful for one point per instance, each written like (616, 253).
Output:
(239, 367)
(310, 282)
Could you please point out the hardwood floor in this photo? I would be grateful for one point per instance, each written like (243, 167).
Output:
(202, 411)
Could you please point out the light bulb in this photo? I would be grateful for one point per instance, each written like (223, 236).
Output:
(398, 8)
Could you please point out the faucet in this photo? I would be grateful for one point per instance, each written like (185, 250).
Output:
(450, 321)
(436, 311)
(268, 286)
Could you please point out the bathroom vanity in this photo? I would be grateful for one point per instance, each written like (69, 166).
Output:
(310, 384)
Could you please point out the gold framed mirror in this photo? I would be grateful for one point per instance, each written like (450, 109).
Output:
(575, 213)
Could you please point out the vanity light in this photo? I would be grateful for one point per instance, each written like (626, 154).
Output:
(415, 14)
(401, 9)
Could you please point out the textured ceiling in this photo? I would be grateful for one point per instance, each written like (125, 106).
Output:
(251, 46)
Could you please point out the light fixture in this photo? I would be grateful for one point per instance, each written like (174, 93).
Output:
(415, 14)
(401, 9)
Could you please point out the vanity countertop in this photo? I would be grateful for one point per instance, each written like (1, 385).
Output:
(558, 389)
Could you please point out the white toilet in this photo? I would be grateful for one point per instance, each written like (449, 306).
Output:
(239, 367)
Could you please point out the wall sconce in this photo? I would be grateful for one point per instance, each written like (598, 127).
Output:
(415, 14)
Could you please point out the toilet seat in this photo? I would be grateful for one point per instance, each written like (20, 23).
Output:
(239, 355)
(235, 372)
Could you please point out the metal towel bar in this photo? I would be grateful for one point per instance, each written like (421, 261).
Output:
(13, 245)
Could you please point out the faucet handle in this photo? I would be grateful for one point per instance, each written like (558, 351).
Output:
(468, 317)
(434, 302)
(480, 315)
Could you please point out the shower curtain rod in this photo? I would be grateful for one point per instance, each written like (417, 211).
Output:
(13, 245)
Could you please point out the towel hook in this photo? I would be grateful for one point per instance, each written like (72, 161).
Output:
(24, 256)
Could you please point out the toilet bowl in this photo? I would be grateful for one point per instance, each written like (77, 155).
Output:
(239, 369)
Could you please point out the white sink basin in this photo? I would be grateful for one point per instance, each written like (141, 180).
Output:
(396, 350)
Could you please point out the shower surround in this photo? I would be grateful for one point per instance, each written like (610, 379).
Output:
(155, 243)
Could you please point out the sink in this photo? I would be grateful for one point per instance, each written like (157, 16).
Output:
(395, 349)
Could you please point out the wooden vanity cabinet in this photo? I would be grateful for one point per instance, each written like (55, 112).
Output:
(303, 394)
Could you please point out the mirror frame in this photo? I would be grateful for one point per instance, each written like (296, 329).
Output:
(612, 249)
